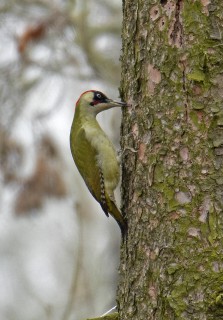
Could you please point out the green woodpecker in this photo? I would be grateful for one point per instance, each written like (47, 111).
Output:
(94, 154)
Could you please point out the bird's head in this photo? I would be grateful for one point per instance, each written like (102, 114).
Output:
(93, 102)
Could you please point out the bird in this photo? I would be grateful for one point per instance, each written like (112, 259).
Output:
(94, 154)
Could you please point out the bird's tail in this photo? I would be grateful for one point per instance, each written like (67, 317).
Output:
(112, 209)
(116, 214)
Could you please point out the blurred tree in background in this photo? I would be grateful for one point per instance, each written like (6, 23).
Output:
(59, 254)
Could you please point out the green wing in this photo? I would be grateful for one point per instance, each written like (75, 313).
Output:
(85, 158)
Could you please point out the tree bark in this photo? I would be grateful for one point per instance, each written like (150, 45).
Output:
(172, 142)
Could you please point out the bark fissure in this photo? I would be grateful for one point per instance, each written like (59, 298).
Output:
(186, 104)
(177, 32)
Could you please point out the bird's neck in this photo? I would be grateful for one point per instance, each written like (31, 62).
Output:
(85, 119)
(83, 114)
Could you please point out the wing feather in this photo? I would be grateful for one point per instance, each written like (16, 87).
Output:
(85, 158)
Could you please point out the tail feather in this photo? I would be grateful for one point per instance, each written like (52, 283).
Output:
(112, 209)
(116, 214)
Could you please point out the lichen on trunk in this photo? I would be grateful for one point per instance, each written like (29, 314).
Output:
(172, 141)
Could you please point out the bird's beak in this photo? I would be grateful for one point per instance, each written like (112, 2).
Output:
(116, 103)
(107, 104)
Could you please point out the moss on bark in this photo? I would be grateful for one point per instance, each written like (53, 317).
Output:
(172, 191)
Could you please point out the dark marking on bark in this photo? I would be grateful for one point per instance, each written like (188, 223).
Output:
(163, 2)
(209, 226)
(185, 92)
(176, 34)
(136, 30)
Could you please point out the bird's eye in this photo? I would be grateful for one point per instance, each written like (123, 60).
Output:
(98, 95)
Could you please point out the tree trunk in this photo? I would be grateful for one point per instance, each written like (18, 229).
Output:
(172, 191)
